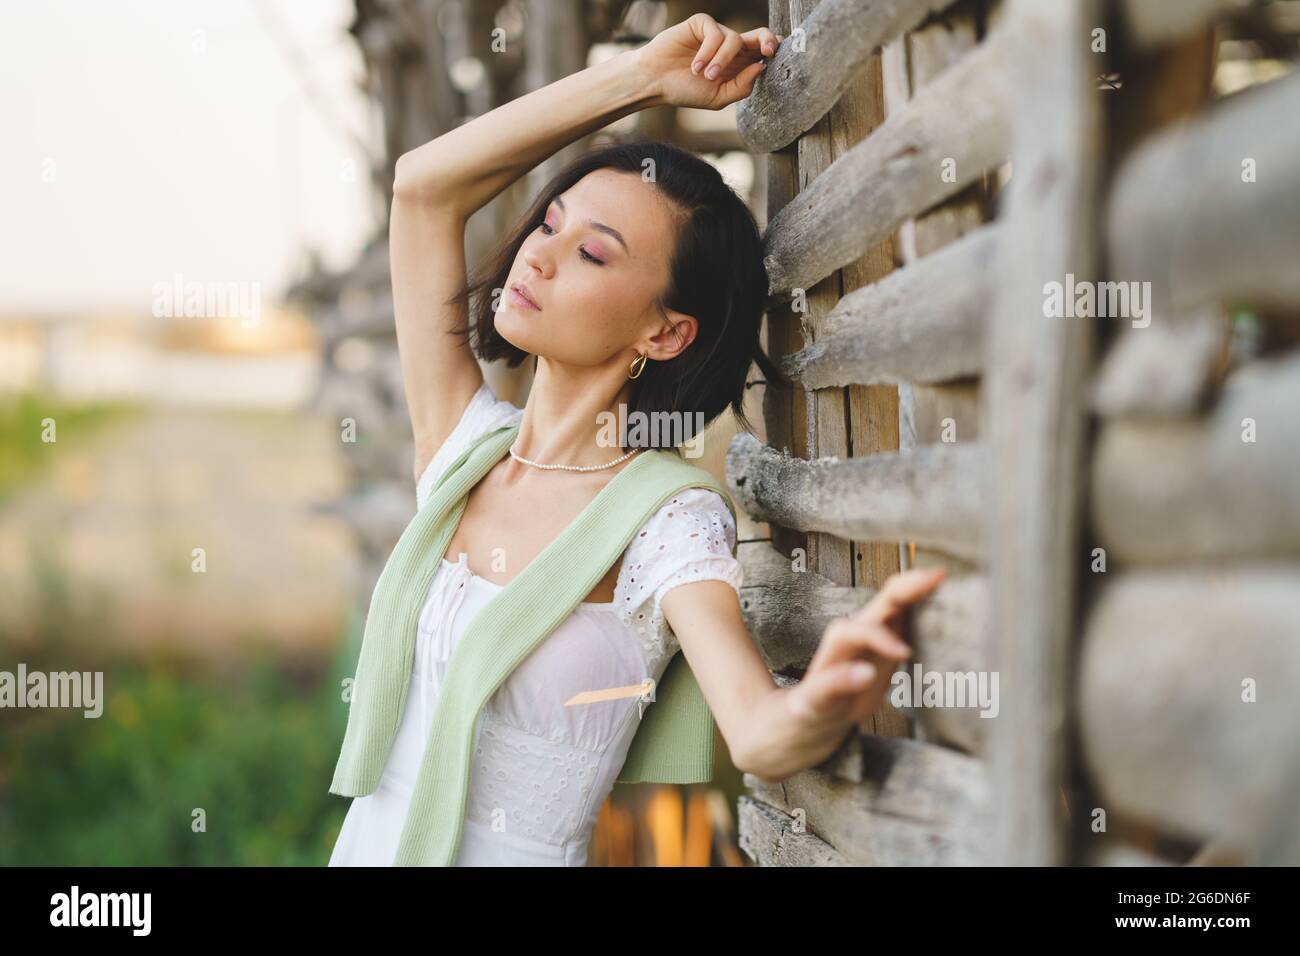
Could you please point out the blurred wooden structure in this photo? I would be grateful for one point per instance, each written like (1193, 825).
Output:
(1116, 498)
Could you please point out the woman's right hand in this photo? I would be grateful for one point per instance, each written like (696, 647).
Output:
(678, 62)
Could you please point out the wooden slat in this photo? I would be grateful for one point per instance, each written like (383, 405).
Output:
(915, 804)
(1166, 733)
(947, 410)
(769, 838)
(1033, 420)
(896, 172)
(924, 323)
(930, 494)
(1180, 217)
(799, 87)
(847, 422)
(784, 410)
(1194, 490)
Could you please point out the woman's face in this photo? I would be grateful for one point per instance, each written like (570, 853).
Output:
(595, 266)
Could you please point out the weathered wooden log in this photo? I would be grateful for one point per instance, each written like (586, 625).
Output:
(1034, 404)
(915, 804)
(1169, 492)
(1151, 23)
(930, 494)
(1162, 371)
(949, 633)
(954, 129)
(1112, 852)
(1277, 837)
(1187, 699)
(772, 838)
(924, 323)
(810, 72)
(1210, 209)
(788, 611)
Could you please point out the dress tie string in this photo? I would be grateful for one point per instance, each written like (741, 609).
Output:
(449, 596)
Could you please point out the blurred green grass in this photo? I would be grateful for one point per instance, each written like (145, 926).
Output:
(23, 452)
(253, 749)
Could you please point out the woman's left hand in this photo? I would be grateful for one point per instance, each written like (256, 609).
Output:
(702, 64)
(851, 670)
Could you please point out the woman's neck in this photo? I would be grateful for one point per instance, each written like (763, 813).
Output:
(563, 423)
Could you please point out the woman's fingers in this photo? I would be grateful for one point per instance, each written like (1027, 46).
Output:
(743, 83)
(724, 54)
(835, 694)
(762, 40)
(899, 591)
(848, 637)
(713, 37)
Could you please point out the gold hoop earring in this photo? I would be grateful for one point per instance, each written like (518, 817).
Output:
(642, 360)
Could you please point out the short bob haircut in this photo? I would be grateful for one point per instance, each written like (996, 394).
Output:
(716, 275)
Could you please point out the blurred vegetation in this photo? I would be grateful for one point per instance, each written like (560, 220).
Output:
(23, 453)
(253, 749)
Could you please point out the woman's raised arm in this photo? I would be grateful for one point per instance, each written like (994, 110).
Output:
(439, 185)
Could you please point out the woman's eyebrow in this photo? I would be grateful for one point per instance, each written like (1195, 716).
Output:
(599, 226)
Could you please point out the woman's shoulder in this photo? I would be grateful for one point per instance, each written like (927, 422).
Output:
(691, 533)
(691, 516)
(691, 537)
(484, 413)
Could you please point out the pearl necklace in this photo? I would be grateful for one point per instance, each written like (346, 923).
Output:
(572, 467)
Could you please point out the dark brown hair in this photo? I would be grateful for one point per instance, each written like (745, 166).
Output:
(716, 275)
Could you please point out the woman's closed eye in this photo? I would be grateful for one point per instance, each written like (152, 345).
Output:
(581, 251)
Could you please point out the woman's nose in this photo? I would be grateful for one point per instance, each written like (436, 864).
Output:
(540, 258)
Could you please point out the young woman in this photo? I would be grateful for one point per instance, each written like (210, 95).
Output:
(636, 278)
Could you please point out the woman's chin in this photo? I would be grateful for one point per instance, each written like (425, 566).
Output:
(510, 328)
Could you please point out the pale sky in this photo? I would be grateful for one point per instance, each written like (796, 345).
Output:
(142, 138)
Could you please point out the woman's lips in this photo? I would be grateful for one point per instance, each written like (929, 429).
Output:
(521, 300)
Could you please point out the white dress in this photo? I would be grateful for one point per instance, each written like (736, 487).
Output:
(541, 770)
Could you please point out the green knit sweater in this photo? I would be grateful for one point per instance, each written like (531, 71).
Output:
(674, 743)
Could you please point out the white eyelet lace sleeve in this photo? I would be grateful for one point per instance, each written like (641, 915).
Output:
(688, 539)
(484, 413)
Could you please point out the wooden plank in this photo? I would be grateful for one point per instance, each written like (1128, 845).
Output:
(1180, 216)
(1033, 421)
(808, 77)
(946, 410)
(772, 838)
(897, 171)
(867, 422)
(915, 805)
(1169, 730)
(924, 323)
(784, 410)
(930, 494)
(827, 419)
(1186, 491)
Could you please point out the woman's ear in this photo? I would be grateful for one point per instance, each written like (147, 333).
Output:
(678, 331)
